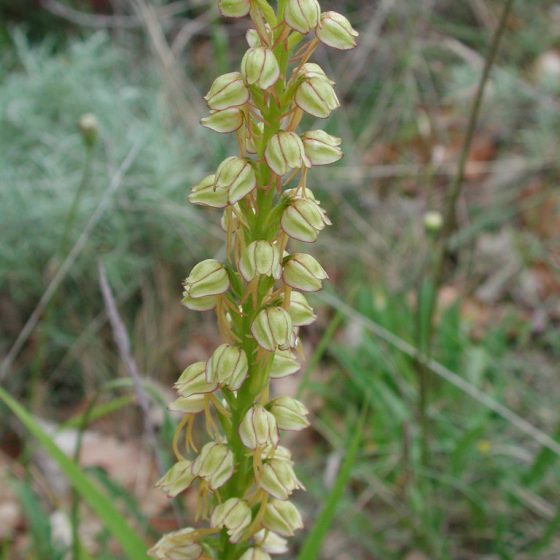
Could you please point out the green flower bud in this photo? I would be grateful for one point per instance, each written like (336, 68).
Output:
(278, 479)
(207, 278)
(253, 38)
(177, 545)
(228, 366)
(189, 405)
(234, 8)
(284, 363)
(237, 176)
(303, 272)
(233, 514)
(336, 31)
(433, 222)
(227, 91)
(177, 479)
(317, 97)
(300, 311)
(255, 554)
(303, 219)
(228, 120)
(313, 70)
(214, 464)
(89, 129)
(285, 151)
(290, 414)
(260, 258)
(199, 304)
(259, 67)
(193, 381)
(282, 517)
(273, 329)
(258, 428)
(271, 542)
(302, 15)
(321, 148)
(206, 193)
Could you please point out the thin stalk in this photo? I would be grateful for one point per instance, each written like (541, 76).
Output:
(441, 248)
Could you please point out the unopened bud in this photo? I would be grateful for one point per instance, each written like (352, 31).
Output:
(177, 545)
(233, 514)
(258, 428)
(271, 542)
(189, 405)
(260, 258)
(259, 67)
(228, 120)
(234, 8)
(317, 97)
(177, 479)
(302, 15)
(237, 176)
(199, 304)
(89, 129)
(284, 363)
(207, 278)
(314, 70)
(214, 464)
(300, 311)
(255, 554)
(285, 151)
(433, 222)
(290, 413)
(282, 517)
(228, 366)
(193, 381)
(227, 91)
(207, 194)
(278, 479)
(303, 219)
(273, 329)
(303, 272)
(336, 31)
(321, 148)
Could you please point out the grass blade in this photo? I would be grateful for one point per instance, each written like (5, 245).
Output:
(131, 544)
(314, 541)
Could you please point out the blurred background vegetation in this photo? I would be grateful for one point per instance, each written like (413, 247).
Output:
(455, 460)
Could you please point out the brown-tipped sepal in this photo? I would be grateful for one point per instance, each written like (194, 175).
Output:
(207, 278)
(302, 15)
(237, 176)
(178, 545)
(282, 517)
(273, 329)
(290, 414)
(214, 464)
(259, 67)
(336, 31)
(258, 428)
(228, 120)
(303, 219)
(260, 258)
(228, 367)
(285, 151)
(233, 514)
(303, 272)
(321, 148)
(227, 91)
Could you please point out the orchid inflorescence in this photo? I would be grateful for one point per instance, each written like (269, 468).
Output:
(243, 476)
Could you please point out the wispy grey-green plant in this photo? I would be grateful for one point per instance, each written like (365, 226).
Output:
(244, 477)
